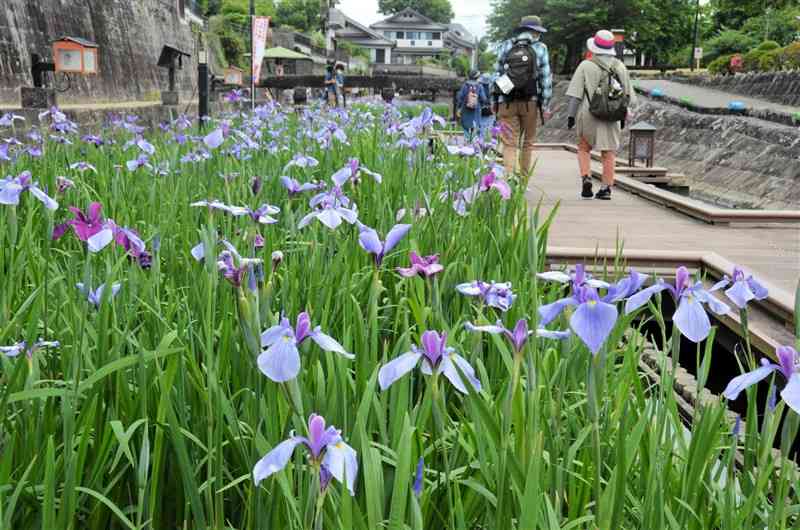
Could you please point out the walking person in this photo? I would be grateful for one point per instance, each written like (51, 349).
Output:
(339, 70)
(600, 95)
(525, 87)
(469, 101)
(487, 112)
(330, 85)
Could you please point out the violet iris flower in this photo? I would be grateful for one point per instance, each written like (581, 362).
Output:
(517, 337)
(294, 187)
(302, 162)
(421, 266)
(493, 294)
(261, 215)
(745, 289)
(231, 264)
(369, 240)
(351, 172)
(418, 479)
(214, 139)
(281, 360)
(690, 316)
(96, 296)
(462, 150)
(141, 161)
(8, 119)
(15, 349)
(789, 366)
(331, 209)
(83, 167)
(63, 184)
(435, 356)
(328, 451)
(12, 188)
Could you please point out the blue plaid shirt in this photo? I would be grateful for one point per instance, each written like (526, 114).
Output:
(545, 75)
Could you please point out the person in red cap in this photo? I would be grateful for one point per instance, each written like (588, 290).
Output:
(600, 95)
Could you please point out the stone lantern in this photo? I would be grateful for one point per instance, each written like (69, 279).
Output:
(643, 144)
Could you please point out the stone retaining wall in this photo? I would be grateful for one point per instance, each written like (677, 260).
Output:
(734, 161)
(129, 33)
(780, 87)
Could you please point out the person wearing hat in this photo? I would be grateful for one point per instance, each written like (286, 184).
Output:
(602, 72)
(330, 84)
(469, 101)
(524, 88)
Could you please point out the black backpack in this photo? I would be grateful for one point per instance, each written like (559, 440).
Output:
(610, 101)
(521, 65)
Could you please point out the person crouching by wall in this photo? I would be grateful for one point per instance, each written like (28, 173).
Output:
(600, 95)
(469, 101)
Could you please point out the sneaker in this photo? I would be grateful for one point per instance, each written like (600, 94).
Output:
(604, 194)
(586, 191)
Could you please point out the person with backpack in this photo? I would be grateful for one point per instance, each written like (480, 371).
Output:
(524, 88)
(469, 101)
(600, 96)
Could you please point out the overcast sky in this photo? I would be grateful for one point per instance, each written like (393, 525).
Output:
(471, 13)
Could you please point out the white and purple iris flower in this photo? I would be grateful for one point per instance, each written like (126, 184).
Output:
(493, 180)
(15, 349)
(690, 317)
(518, 336)
(95, 296)
(352, 171)
(281, 359)
(262, 215)
(789, 367)
(12, 188)
(436, 357)
(370, 241)
(498, 295)
(83, 166)
(327, 450)
(745, 289)
(330, 208)
(301, 161)
(594, 317)
(294, 187)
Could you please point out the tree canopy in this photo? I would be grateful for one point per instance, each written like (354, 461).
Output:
(437, 10)
(302, 15)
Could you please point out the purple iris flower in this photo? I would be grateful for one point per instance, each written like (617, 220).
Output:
(690, 316)
(294, 187)
(96, 296)
(745, 289)
(369, 240)
(8, 119)
(435, 356)
(789, 366)
(493, 294)
(133, 245)
(15, 349)
(141, 161)
(462, 150)
(145, 146)
(83, 167)
(93, 139)
(418, 479)
(255, 185)
(517, 337)
(63, 184)
(281, 360)
(231, 264)
(302, 162)
(421, 266)
(351, 172)
(214, 139)
(331, 208)
(12, 188)
(234, 96)
(4, 152)
(594, 318)
(328, 451)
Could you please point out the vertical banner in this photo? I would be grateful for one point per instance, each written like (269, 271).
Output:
(260, 30)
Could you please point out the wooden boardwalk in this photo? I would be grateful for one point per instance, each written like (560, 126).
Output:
(771, 252)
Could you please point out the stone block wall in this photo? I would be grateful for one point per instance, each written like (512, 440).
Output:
(780, 87)
(129, 33)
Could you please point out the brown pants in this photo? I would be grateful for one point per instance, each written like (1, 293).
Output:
(518, 122)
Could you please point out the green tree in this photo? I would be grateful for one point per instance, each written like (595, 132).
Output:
(436, 10)
(302, 15)
(734, 13)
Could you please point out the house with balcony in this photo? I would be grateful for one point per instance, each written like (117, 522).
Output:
(416, 37)
(346, 29)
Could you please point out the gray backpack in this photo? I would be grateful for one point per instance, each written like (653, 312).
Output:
(609, 102)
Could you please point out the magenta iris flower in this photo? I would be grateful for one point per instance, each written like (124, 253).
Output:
(421, 266)
(95, 296)
(789, 367)
(518, 336)
(745, 289)
(370, 241)
(435, 356)
(690, 316)
(327, 450)
(281, 360)
(12, 188)
(498, 295)
(494, 180)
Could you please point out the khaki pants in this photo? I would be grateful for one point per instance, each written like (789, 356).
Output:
(518, 122)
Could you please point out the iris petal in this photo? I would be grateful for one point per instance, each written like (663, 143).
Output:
(593, 322)
(276, 459)
(397, 368)
(281, 362)
(691, 319)
(746, 380)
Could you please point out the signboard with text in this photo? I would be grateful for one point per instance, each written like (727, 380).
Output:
(260, 31)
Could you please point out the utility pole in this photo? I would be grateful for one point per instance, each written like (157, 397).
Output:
(252, 57)
(694, 45)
